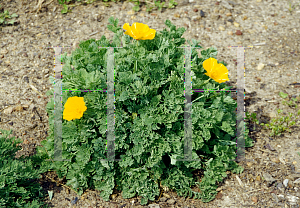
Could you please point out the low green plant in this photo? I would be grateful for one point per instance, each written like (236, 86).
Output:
(252, 118)
(17, 188)
(149, 119)
(66, 7)
(5, 15)
(281, 123)
(149, 5)
(292, 8)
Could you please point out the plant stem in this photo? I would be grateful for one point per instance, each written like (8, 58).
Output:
(205, 82)
(135, 67)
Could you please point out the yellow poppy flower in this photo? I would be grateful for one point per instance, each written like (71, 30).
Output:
(217, 72)
(74, 108)
(139, 31)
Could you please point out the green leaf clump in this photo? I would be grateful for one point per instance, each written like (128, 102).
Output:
(149, 119)
(17, 176)
(5, 15)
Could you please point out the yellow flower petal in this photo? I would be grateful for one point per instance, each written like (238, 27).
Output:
(217, 72)
(140, 27)
(135, 31)
(209, 65)
(222, 69)
(126, 26)
(74, 108)
(150, 35)
(139, 31)
(129, 31)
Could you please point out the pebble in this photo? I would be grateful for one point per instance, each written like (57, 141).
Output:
(74, 201)
(228, 23)
(215, 17)
(19, 108)
(131, 12)
(8, 110)
(260, 66)
(226, 5)
(268, 146)
(269, 178)
(245, 17)
(279, 185)
(195, 10)
(258, 1)
(230, 33)
(275, 197)
(285, 182)
(195, 18)
(154, 206)
(272, 115)
(202, 14)
(171, 201)
(4, 51)
(297, 181)
(163, 199)
(176, 15)
(219, 195)
(230, 20)
(236, 24)
(238, 32)
(221, 28)
(228, 14)
(254, 199)
(232, 3)
(113, 196)
(292, 199)
(275, 160)
(280, 197)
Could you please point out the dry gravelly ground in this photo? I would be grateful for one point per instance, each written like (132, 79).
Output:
(25, 61)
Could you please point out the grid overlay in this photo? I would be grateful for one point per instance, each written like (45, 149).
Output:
(187, 113)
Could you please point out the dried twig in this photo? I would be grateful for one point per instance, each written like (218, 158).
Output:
(259, 44)
(40, 5)
(253, 191)
(239, 180)
(61, 184)
(34, 89)
(93, 33)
